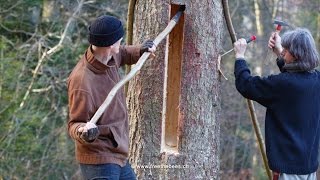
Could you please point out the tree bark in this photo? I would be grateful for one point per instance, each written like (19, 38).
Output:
(196, 153)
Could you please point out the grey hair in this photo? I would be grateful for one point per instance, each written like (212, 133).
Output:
(301, 45)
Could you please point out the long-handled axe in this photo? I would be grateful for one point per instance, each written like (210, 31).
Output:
(137, 67)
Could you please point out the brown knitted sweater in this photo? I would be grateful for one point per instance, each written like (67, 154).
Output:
(88, 85)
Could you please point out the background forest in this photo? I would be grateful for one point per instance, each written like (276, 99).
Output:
(42, 40)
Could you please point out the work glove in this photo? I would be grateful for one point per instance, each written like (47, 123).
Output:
(147, 46)
(89, 132)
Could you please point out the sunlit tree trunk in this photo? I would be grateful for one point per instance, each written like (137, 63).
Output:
(173, 101)
(49, 11)
(318, 31)
(257, 17)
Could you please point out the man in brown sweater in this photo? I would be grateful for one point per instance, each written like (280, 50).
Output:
(102, 148)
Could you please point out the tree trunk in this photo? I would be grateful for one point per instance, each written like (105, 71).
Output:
(318, 32)
(257, 17)
(173, 101)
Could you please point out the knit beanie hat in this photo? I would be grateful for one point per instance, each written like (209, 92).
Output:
(105, 31)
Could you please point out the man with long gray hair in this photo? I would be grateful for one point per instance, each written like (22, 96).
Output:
(292, 100)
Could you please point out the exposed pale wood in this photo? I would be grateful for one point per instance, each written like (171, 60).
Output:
(173, 84)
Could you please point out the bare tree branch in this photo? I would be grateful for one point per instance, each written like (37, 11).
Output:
(17, 31)
(53, 50)
(13, 6)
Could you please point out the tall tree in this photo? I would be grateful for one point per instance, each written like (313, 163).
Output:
(173, 101)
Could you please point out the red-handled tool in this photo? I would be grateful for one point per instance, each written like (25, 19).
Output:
(279, 24)
(270, 56)
(252, 38)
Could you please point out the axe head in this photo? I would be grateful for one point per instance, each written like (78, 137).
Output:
(279, 24)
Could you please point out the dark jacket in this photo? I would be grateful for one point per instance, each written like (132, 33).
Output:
(88, 85)
(292, 117)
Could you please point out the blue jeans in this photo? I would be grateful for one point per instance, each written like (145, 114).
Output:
(107, 172)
